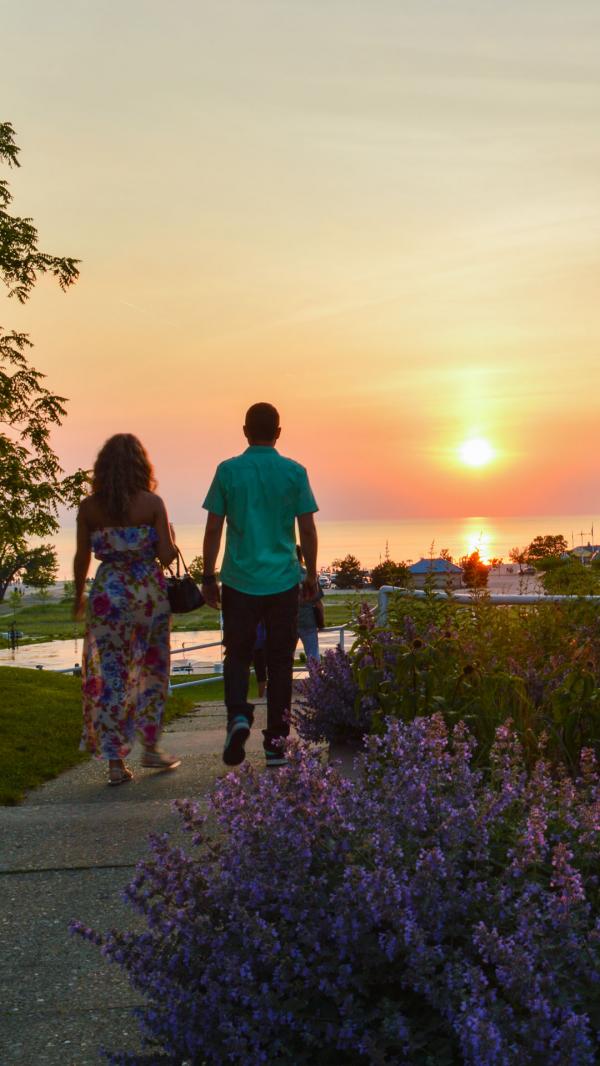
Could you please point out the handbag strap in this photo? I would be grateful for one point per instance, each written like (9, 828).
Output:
(179, 556)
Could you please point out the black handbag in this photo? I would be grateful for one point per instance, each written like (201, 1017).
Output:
(183, 592)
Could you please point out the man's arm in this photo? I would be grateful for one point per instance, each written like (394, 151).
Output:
(309, 543)
(210, 551)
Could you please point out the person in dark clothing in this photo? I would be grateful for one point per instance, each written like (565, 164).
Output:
(259, 659)
(262, 495)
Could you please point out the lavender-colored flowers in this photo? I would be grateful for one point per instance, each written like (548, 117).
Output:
(424, 914)
(331, 706)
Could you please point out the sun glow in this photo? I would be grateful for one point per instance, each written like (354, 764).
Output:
(479, 541)
(476, 452)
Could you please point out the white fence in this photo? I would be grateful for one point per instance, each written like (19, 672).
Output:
(173, 689)
(469, 598)
(341, 630)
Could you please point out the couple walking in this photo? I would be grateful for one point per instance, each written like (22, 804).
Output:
(259, 495)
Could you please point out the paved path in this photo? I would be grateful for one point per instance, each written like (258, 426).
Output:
(66, 853)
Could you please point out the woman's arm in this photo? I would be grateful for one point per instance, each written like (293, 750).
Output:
(81, 562)
(166, 550)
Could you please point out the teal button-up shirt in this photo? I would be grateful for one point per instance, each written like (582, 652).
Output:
(260, 493)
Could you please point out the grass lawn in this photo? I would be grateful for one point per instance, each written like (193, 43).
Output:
(40, 621)
(52, 620)
(341, 609)
(40, 725)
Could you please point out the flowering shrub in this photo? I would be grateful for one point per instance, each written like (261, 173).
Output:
(480, 664)
(330, 705)
(422, 915)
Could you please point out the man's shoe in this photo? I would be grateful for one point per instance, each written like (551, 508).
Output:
(238, 732)
(275, 758)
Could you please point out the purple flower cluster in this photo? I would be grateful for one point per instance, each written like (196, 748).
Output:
(330, 706)
(423, 914)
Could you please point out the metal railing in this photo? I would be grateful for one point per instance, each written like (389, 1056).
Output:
(219, 677)
(195, 647)
(495, 598)
(76, 669)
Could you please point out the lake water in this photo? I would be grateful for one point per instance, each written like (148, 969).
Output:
(64, 654)
(407, 539)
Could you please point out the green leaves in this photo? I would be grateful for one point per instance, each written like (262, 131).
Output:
(390, 573)
(32, 485)
(482, 664)
(21, 261)
(348, 573)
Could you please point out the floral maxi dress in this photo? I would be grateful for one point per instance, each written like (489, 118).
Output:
(126, 649)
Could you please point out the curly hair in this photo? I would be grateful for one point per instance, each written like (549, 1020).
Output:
(121, 470)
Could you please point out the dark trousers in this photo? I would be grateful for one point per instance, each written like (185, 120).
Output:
(241, 615)
(259, 662)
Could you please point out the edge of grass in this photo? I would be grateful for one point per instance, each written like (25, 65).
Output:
(40, 725)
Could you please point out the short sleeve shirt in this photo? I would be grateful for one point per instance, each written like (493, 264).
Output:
(260, 493)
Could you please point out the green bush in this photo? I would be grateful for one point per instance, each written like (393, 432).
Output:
(537, 665)
(569, 578)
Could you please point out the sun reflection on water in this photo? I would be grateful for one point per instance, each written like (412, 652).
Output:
(482, 538)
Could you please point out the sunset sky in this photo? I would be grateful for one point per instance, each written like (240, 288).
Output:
(381, 216)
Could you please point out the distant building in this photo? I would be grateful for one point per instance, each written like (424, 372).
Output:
(439, 572)
(585, 553)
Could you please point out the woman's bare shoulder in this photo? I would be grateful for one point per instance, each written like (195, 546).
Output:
(146, 507)
(86, 508)
(151, 499)
(91, 513)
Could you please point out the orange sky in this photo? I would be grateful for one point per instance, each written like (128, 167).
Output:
(381, 217)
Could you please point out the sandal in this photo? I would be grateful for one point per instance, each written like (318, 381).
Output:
(160, 760)
(118, 775)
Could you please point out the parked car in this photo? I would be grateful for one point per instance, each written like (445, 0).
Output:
(325, 581)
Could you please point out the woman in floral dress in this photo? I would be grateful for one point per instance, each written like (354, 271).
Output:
(125, 670)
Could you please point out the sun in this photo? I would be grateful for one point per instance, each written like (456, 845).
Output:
(476, 452)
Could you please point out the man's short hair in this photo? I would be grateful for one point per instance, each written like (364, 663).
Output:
(262, 421)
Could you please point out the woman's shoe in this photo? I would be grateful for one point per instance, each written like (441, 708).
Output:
(160, 760)
(119, 775)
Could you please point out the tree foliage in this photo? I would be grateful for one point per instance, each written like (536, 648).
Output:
(475, 571)
(21, 261)
(519, 557)
(196, 569)
(40, 568)
(542, 547)
(32, 483)
(570, 578)
(390, 573)
(348, 572)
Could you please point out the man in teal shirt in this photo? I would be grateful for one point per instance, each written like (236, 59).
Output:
(261, 494)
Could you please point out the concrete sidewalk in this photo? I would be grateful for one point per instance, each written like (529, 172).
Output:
(67, 853)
